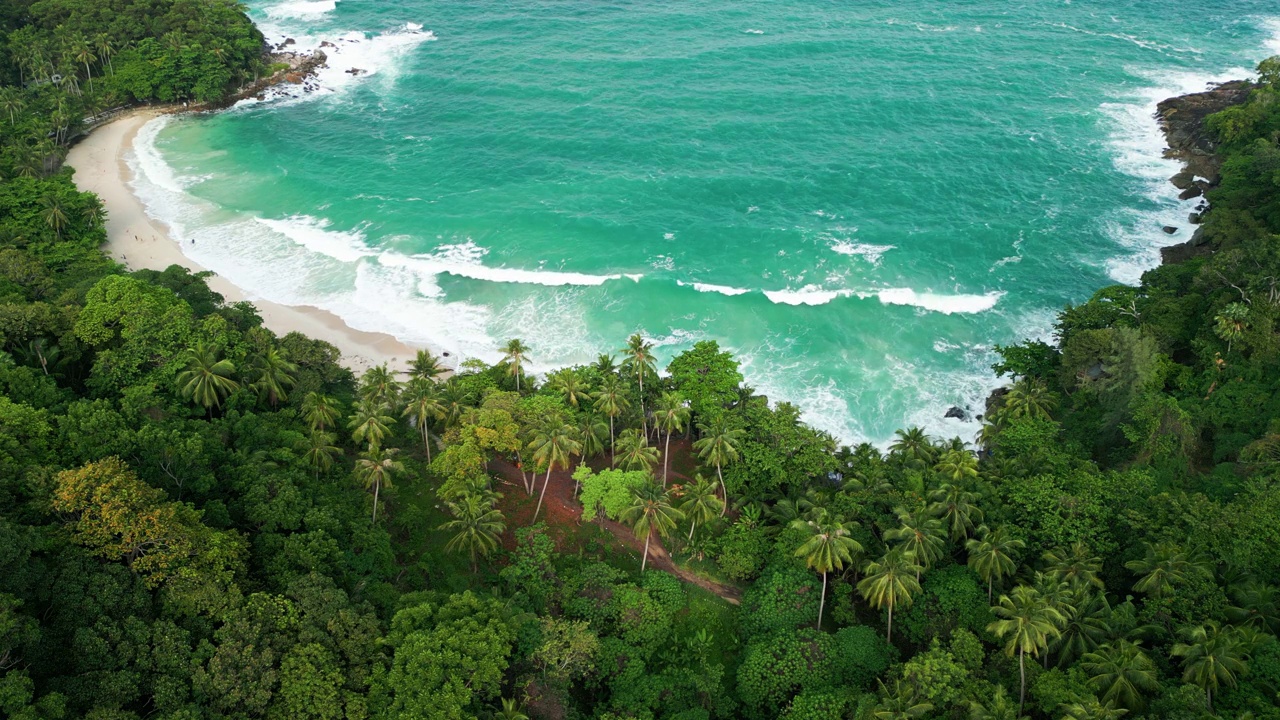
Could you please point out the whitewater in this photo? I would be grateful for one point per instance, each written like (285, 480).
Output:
(859, 202)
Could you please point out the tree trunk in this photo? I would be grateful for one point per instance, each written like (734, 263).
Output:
(822, 604)
(376, 487)
(988, 591)
(666, 452)
(692, 526)
(1022, 674)
(541, 495)
(644, 422)
(645, 559)
(426, 441)
(889, 635)
(723, 490)
(613, 458)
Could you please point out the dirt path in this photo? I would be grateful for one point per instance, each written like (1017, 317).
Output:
(561, 508)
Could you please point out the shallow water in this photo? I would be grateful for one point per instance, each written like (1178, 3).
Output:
(858, 199)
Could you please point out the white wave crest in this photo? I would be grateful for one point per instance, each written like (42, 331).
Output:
(934, 302)
(305, 9)
(709, 288)
(312, 233)
(871, 252)
(463, 260)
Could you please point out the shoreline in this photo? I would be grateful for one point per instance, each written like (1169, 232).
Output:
(138, 242)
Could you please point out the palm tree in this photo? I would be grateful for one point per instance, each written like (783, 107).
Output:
(379, 384)
(1231, 323)
(957, 508)
(719, 446)
(55, 214)
(1076, 566)
(83, 53)
(605, 364)
(921, 536)
(552, 445)
(890, 582)
(272, 374)
(913, 448)
(640, 361)
(1028, 398)
(670, 415)
(476, 525)
(425, 366)
(422, 404)
(1257, 604)
(370, 423)
(1087, 626)
(206, 378)
(591, 433)
(1212, 656)
(901, 703)
(957, 466)
(612, 402)
(105, 49)
(375, 469)
(701, 505)
(510, 711)
(320, 411)
(634, 452)
(1091, 709)
(1164, 566)
(650, 510)
(11, 102)
(828, 547)
(1000, 707)
(1119, 672)
(571, 386)
(991, 554)
(1029, 623)
(454, 399)
(319, 451)
(514, 353)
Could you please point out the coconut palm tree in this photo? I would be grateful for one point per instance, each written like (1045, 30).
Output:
(1000, 707)
(319, 451)
(671, 416)
(455, 399)
(913, 448)
(510, 711)
(1076, 566)
(634, 452)
(1028, 623)
(12, 102)
(423, 405)
(370, 423)
(827, 547)
(957, 508)
(1119, 672)
(639, 361)
(700, 505)
(1212, 656)
(206, 378)
(1027, 398)
(514, 352)
(957, 466)
(571, 386)
(611, 401)
(1231, 323)
(83, 53)
(921, 535)
(605, 364)
(890, 582)
(320, 411)
(476, 526)
(271, 374)
(1087, 626)
(375, 468)
(105, 49)
(591, 433)
(903, 702)
(1257, 604)
(553, 444)
(992, 553)
(379, 384)
(650, 511)
(55, 214)
(1164, 566)
(425, 366)
(719, 446)
(1091, 708)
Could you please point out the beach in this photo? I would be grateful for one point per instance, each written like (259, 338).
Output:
(139, 242)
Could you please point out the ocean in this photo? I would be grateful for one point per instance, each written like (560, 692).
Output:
(860, 200)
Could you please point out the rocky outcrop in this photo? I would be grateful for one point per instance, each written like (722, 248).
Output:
(1182, 120)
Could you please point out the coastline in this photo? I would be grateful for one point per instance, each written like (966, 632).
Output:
(139, 242)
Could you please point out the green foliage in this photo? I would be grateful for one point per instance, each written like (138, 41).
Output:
(609, 491)
(860, 656)
(784, 598)
(708, 377)
(777, 667)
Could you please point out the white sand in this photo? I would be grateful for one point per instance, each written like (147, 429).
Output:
(139, 242)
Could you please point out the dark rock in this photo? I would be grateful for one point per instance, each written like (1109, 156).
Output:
(326, 43)
(995, 399)
(1183, 180)
(356, 71)
(957, 413)
(1198, 238)
(1182, 119)
(1169, 229)
(289, 41)
(1195, 218)
(1194, 191)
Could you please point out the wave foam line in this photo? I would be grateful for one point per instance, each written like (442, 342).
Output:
(312, 233)
(933, 302)
(709, 288)
(307, 9)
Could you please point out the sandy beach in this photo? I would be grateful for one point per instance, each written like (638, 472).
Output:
(139, 242)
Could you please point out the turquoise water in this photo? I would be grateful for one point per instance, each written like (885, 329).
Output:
(859, 199)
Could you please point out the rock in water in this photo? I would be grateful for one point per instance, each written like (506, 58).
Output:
(957, 413)
(1169, 229)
